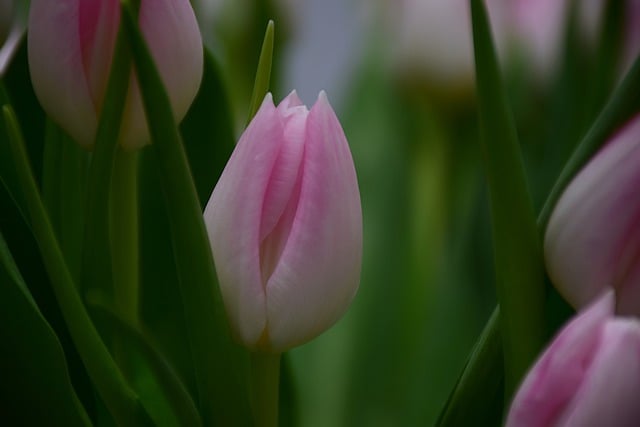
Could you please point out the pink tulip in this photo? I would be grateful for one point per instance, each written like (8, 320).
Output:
(588, 377)
(285, 226)
(538, 27)
(593, 237)
(71, 46)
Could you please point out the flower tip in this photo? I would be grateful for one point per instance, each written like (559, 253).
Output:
(606, 301)
(322, 96)
(292, 100)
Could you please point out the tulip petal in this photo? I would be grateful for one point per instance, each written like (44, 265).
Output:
(98, 23)
(557, 375)
(176, 48)
(609, 393)
(319, 269)
(592, 238)
(281, 196)
(285, 172)
(57, 68)
(233, 215)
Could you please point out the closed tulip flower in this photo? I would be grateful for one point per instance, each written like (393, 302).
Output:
(432, 41)
(593, 237)
(71, 47)
(285, 226)
(588, 377)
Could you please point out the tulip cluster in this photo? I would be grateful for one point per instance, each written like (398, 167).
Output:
(283, 225)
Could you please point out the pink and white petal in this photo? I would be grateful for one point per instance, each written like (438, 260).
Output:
(292, 100)
(171, 32)
(589, 233)
(233, 216)
(56, 67)
(285, 171)
(556, 376)
(99, 22)
(609, 393)
(319, 269)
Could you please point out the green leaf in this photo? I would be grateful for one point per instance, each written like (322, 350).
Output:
(176, 396)
(263, 73)
(103, 372)
(518, 254)
(35, 388)
(221, 366)
(96, 273)
(207, 130)
(209, 140)
(161, 308)
(64, 179)
(477, 397)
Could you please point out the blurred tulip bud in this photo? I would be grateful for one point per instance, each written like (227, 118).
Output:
(588, 377)
(593, 237)
(431, 39)
(538, 28)
(285, 226)
(71, 46)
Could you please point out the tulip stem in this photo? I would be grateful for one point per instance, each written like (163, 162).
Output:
(265, 384)
(124, 234)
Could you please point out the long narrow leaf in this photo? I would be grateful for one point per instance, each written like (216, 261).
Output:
(477, 397)
(97, 271)
(518, 257)
(174, 390)
(101, 368)
(35, 388)
(263, 73)
(622, 105)
(220, 365)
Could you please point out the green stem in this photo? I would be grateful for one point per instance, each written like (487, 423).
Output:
(124, 234)
(104, 373)
(265, 384)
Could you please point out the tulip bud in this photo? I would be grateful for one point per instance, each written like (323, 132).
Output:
(588, 376)
(593, 237)
(432, 39)
(71, 47)
(538, 27)
(285, 226)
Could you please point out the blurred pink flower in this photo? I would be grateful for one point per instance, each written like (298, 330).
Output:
(538, 27)
(433, 38)
(593, 237)
(285, 226)
(588, 377)
(71, 45)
